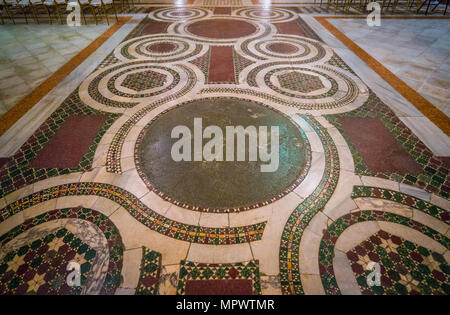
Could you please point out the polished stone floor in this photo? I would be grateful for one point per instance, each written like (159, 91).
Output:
(30, 53)
(420, 56)
(89, 178)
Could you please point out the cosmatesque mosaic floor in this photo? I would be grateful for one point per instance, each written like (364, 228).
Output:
(95, 184)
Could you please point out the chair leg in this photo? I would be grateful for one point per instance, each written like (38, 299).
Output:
(423, 3)
(105, 13)
(115, 12)
(34, 12)
(8, 13)
(394, 5)
(83, 15)
(428, 7)
(48, 13)
(23, 9)
(58, 13)
(94, 14)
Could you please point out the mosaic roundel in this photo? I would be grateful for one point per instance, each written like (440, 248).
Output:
(223, 183)
(266, 14)
(315, 87)
(295, 49)
(177, 14)
(157, 48)
(221, 28)
(160, 48)
(127, 84)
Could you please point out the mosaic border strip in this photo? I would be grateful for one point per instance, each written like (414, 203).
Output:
(150, 272)
(148, 217)
(326, 250)
(110, 231)
(200, 271)
(304, 212)
(290, 188)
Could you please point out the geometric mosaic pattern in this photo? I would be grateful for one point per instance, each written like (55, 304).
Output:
(300, 82)
(150, 273)
(406, 268)
(40, 267)
(165, 62)
(326, 251)
(144, 80)
(190, 271)
(148, 217)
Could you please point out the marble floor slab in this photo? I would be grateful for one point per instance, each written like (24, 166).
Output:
(414, 50)
(30, 53)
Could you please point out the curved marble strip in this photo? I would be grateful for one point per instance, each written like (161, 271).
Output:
(302, 215)
(399, 197)
(148, 217)
(164, 14)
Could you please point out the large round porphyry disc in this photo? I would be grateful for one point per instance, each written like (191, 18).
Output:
(221, 186)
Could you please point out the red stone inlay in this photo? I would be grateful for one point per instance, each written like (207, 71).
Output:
(221, 65)
(154, 28)
(70, 142)
(282, 48)
(161, 47)
(292, 28)
(221, 28)
(222, 10)
(219, 287)
(379, 149)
